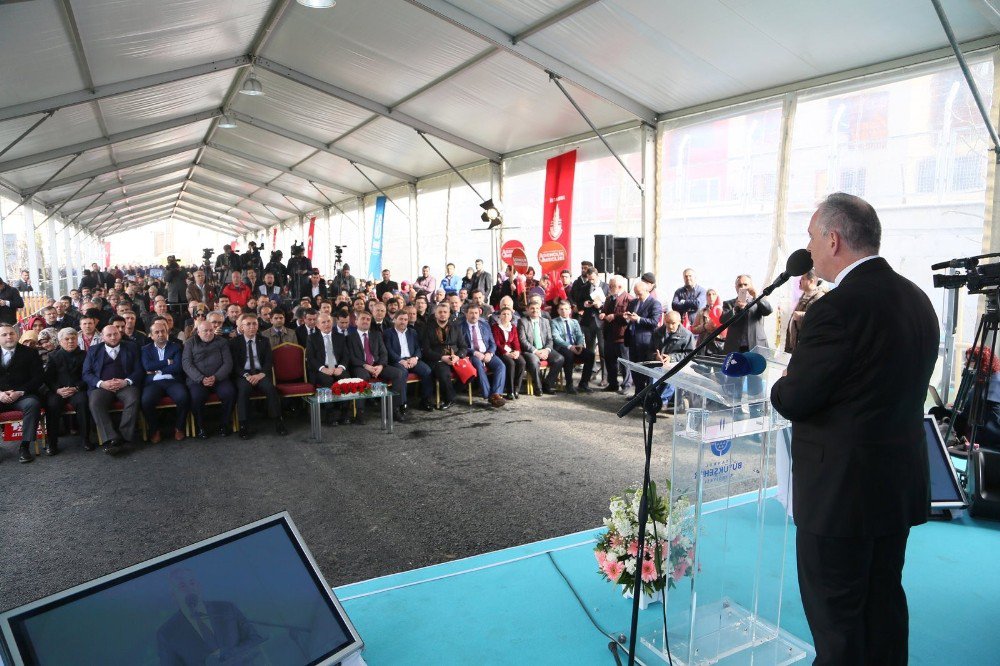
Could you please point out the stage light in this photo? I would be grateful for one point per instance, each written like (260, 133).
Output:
(317, 4)
(492, 214)
(252, 86)
(227, 122)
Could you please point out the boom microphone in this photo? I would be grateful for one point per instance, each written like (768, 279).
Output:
(798, 263)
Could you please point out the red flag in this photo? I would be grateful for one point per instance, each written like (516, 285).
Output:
(557, 209)
(312, 232)
(107, 254)
(274, 237)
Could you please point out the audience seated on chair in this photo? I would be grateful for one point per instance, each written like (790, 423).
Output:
(368, 359)
(443, 344)
(208, 365)
(569, 341)
(162, 361)
(326, 363)
(64, 380)
(113, 373)
(483, 355)
(20, 381)
(252, 371)
(403, 346)
(535, 336)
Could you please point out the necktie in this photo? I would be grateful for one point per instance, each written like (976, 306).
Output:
(331, 360)
(113, 352)
(569, 336)
(206, 632)
(6, 358)
(369, 359)
(538, 334)
(251, 357)
(475, 336)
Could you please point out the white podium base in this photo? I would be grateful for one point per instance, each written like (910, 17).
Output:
(727, 633)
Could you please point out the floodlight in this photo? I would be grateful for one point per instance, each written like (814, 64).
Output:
(252, 86)
(227, 122)
(492, 214)
(317, 4)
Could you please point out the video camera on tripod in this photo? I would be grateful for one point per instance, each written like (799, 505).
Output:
(978, 277)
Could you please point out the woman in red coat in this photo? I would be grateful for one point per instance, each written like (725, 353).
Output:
(509, 351)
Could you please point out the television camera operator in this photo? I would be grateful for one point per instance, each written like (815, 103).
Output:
(299, 269)
(175, 278)
(251, 259)
(226, 263)
(278, 269)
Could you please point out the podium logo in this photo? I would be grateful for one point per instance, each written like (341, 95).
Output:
(722, 447)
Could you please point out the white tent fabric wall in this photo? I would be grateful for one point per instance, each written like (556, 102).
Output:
(447, 219)
(605, 199)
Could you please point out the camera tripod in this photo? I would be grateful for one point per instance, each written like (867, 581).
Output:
(970, 401)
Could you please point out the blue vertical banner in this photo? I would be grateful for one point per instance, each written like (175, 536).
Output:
(375, 264)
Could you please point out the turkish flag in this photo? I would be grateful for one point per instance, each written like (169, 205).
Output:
(312, 233)
(557, 208)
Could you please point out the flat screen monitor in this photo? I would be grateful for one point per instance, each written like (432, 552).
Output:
(250, 596)
(946, 491)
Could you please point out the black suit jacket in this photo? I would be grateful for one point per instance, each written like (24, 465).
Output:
(356, 353)
(238, 347)
(179, 644)
(65, 369)
(855, 394)
(382, 286)
(316, 353)
(751, 326)
(24, 372)
(433, 350)
(302, 335)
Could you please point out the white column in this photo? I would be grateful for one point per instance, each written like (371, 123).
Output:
(414, 258)
(66, 260)
(78, 259)
(53, 259)
(650, 230)
(29, 240)
(3, 247)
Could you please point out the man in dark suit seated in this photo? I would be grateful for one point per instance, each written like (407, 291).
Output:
(308, 326)
(316, 289)
(252, 370)
(368, 359)
(113, 371)
(204, 632)
(535, 335)
(643, 318)
(64, 379)
(20, 380)
(443, 344)
(162, 361)
(854, 392)
(326, 363)
(569, 340)
(403, 345)
(483, 355)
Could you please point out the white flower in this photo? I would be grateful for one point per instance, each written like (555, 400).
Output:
(630, 565)
(613, 555)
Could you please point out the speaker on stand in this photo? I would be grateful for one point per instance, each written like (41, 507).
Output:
(628, 256)
(604, 253)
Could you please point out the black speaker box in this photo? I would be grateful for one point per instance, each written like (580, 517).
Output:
(628, 256)
(604, 253)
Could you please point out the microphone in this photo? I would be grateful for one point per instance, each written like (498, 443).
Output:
(798, 263)
(739, 364)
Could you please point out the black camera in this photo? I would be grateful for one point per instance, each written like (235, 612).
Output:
(298, 249)
(979, 278)
(207, 253)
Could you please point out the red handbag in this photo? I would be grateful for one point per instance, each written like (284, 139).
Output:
(464, 369)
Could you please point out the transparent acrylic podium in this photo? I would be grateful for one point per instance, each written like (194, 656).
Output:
(726, 608)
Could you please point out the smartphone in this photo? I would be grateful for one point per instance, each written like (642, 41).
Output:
(744, 294)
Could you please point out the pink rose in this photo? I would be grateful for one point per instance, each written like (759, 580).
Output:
(633, 548)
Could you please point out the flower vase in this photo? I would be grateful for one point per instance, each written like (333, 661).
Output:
(644, 599)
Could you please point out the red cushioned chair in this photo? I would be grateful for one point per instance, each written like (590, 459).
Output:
(289, 371)
(15, 416)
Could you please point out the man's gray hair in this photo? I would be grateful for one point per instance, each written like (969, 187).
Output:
(67, 332)
(854, 220)
(618, 279)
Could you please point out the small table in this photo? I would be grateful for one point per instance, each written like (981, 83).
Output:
(379, 390)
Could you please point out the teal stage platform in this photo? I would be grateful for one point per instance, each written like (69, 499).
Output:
(520, 605)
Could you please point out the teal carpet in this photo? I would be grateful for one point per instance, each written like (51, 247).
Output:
(514, 607)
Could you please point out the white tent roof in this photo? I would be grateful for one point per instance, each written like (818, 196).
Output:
(135, 90)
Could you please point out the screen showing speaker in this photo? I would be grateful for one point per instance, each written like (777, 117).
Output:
(250, 596)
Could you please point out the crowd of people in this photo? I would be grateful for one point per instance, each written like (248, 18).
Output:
(128, 337)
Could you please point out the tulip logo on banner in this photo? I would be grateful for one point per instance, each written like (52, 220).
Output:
(312, 233)
(375, 264)
(557, 214)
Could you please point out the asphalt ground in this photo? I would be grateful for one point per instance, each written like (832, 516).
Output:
(445, 485)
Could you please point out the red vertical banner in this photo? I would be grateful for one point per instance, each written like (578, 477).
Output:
(107, 254)
(274, 237)
(312, 233)
(557, 215)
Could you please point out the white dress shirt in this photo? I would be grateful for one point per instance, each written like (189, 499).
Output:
(404, 347)
(842, 274)
(161, 353)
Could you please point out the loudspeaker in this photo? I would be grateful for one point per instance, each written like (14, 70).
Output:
(604, 253)
(628, 257)
(984, 468)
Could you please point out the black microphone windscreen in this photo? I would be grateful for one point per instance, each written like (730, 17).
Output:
(799, 263)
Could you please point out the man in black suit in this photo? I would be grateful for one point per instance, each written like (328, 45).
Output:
(20, 379)
(326, 362)
(113, 371)
(204, 632)
(443, 344)
(409, 358)
(307, 327)
(368, 359)
(10, 303)
(316, 288)
(854, 392)
(748, 332)
(252, 370)
(64, 379)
